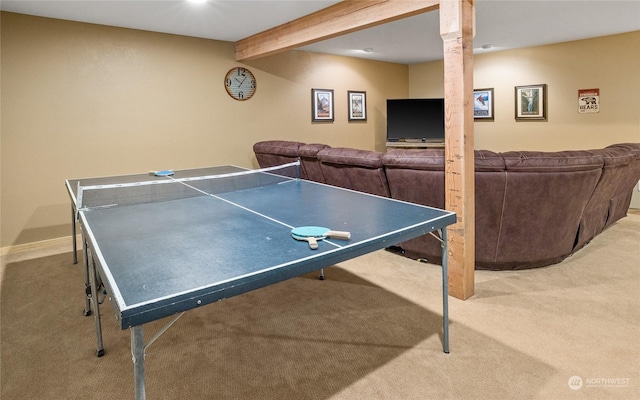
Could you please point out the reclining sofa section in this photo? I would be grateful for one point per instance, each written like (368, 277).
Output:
(532, 209)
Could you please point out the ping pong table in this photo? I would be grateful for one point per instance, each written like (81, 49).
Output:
(72, 187)
(161, 247)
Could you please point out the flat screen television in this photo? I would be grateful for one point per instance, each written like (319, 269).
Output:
(415, 120)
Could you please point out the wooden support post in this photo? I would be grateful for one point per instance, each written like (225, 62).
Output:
(457, 30)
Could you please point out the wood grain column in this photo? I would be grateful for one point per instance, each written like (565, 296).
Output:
(457, 30)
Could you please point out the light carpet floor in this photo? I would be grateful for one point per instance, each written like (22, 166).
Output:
(371, 330)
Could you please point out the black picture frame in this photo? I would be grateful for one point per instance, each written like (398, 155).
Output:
(322, 105)
(483, 104)
(357, 101)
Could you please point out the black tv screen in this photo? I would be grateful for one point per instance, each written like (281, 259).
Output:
(415, 120)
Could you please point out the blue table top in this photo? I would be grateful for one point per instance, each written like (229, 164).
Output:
(158, 259)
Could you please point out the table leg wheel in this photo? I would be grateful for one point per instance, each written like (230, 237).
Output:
(86, 313)
(100, 353)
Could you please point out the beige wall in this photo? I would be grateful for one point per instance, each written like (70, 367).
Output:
(610, 63)
(81, 100)
(607, 63)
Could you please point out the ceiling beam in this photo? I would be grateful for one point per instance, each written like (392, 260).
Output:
(339, 19)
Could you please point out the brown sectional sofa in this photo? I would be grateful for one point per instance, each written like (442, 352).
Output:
(532, 208)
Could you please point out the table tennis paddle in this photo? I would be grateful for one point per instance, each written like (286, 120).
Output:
(312, 234)
(166, 172)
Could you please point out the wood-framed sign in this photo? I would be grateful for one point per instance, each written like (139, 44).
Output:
(483, 104)
(322, 105)
(531, 103)
(357, 105)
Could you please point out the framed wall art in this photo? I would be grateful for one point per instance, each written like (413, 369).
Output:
(483, 104)
(357, 105)
(531, 103)
(322, 105)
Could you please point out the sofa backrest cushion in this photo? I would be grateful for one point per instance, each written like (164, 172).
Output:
(310, 162)
(629, 179)
(270, 153)
(417, 176)
(545, 195)
(598, 210)
(551, 162)
(489, 186)
(276, 152)
(360, 170)
(418, 159)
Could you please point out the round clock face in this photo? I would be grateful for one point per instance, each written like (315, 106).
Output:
(240, 83)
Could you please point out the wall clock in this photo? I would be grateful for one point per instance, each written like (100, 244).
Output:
(240, 83)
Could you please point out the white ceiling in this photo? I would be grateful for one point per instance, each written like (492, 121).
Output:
(506, 24)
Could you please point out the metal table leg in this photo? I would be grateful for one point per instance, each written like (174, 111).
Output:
(445, 292)
(73, 234)
(137, 354)
(87, 282)
(96, 307)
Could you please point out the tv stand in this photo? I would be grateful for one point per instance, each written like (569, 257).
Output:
(415, 145)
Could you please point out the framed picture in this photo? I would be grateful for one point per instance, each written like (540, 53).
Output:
(531, 103)
(357, 105)
(322, 105)
(483, 104)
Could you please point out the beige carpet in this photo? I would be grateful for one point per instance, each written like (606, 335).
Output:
(370, 331)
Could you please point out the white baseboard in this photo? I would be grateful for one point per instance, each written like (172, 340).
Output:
(39, 249)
